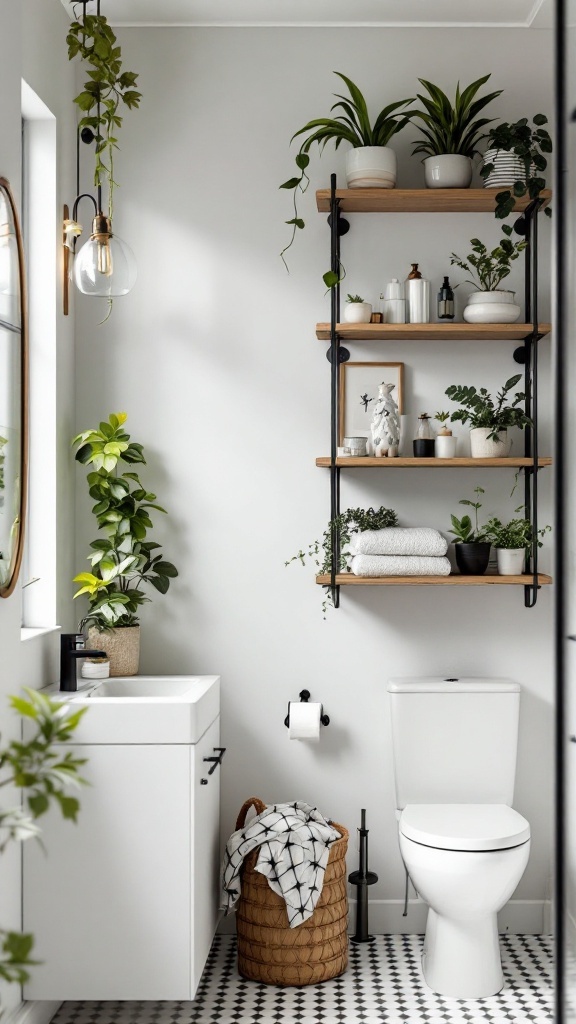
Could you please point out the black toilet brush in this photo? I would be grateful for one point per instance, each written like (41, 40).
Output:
(362, 879)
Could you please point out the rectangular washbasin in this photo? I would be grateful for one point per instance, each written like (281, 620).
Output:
(146, 709)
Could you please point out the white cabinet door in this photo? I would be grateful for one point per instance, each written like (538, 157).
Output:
(205, 850)
(111, 903)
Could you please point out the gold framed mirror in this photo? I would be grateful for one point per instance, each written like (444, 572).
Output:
(13, 392)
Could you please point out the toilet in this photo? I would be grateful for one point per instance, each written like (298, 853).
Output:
(464, 847)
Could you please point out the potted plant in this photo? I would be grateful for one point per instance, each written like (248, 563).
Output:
(451, 132)
(353, 520)
(513, 541)
(515, 161)
(123, 560)
(489, 420)
(445, 444)
(490, 304)
(370, 161)
(356, 311)
(472, 547)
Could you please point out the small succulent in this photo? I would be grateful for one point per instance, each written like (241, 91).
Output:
(354, 298)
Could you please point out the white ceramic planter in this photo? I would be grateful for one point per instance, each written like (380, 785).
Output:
(448, 171)
(483, 447)
(445, 446)
(510, 561)
(371, 167)
(357, 312)
(496, 307)
(508, 168)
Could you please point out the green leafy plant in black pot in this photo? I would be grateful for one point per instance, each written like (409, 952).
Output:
(351, 125)
(472, 543)
(529, 144)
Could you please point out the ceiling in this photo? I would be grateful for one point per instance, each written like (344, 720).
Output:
(338, 13)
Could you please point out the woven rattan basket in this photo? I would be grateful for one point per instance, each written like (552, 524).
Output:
(268, 949)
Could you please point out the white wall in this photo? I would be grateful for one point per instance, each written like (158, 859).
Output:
(33, 47)
(215, 360)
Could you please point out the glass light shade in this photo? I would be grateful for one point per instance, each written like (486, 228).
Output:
(104, 266)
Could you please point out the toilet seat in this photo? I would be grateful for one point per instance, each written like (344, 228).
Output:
(470, 827)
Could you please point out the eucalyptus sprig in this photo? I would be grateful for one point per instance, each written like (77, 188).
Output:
(107, 90)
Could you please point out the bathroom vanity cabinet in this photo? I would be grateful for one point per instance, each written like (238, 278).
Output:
(123, 905)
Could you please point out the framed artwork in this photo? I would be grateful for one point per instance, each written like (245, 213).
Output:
(359, 384)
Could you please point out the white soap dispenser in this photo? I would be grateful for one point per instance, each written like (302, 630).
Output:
(417, 291)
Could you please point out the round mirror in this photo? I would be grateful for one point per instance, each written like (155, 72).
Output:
(13, 392)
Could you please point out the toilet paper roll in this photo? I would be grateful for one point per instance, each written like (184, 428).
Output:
(304, 720)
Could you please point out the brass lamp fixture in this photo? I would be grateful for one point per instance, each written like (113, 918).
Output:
(104, 266)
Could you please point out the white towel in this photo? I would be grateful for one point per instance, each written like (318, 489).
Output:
(400, 565)
(397, 540)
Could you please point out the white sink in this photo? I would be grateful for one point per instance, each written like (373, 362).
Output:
(145, 709)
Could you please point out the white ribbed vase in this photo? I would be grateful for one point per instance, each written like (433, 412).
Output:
(483, 447)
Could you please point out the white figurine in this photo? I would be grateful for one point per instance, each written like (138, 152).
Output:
(385, 425)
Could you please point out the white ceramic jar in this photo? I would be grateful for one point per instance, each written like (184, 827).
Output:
(510, 561)
(357, 312)
(445, 446)
(496, 307)
(371, 167)
(483, 447)
(450, 170)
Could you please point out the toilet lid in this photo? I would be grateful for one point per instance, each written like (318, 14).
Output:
(464, 826)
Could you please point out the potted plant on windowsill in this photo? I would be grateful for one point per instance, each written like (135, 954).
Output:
(370, 163)
(472, 546)
(490, 304)
(515, 161)
(513, 541)
(451, 133)
(489, 420)
(123, 561)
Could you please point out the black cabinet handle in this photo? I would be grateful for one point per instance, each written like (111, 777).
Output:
(215, 761)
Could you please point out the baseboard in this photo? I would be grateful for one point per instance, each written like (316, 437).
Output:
(38, 1011)
(385, 917)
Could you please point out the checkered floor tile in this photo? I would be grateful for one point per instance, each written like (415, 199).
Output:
(383, 985)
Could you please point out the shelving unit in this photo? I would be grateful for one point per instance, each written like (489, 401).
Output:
(339, 201)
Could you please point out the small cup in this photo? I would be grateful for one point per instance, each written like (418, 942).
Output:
(356, 445)
(96, 668)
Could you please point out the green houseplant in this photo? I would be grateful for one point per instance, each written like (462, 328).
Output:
(445, 444)
(513, 541)
(351, 521)
(472, 543)
(356, 310)
(123, 561)
(523, 176)
(370, 160)
(488, 268)
(451, 132)
(489, 418)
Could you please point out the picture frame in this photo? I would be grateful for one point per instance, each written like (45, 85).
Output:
(359, 384)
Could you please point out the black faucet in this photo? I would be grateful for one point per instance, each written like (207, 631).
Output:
(72, 648)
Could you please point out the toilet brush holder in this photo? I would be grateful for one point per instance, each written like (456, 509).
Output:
(362, 879)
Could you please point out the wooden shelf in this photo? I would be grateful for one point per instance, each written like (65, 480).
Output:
(431, 332)
(368, 462)
(418, 200)
(488, 580)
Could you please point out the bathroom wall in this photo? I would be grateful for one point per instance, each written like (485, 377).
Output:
(214, 358)
(33, 47)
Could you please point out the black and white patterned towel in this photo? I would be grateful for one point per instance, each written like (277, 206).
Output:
(294, 841)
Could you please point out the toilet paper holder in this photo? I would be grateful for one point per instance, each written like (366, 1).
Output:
(304, 698)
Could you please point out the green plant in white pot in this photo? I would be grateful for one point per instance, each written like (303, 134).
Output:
(123, 561)
(513, 541)
(356, 310)
(489, 419)
(451, 132)
(490, 304)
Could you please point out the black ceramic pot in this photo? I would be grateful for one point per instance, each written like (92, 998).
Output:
(423, 448)
(472, 559)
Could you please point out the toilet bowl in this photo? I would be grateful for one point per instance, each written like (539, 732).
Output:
(465, 861)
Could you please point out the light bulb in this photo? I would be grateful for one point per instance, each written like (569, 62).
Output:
(105, 265)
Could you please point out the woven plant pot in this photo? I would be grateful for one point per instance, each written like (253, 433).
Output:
(122, 646)
(269, 950)
(483, 447)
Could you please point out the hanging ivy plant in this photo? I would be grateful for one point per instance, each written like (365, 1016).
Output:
(106, 91)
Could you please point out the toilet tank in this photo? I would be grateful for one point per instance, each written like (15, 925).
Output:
(454, 740)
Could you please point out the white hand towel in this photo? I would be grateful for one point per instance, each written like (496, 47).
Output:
(400, 565)
(397, 540)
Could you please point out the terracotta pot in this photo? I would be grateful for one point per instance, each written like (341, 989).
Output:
(122, 646)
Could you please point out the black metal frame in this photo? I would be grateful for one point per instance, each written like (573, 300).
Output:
(527, 354)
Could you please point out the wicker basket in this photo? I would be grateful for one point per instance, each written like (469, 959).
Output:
(122, 645)
(269, 950)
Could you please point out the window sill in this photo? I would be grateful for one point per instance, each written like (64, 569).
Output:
(31, 632)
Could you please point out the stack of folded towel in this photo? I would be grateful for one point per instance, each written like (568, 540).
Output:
(398, 551)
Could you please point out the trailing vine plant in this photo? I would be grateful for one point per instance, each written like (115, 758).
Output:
(106, 91)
